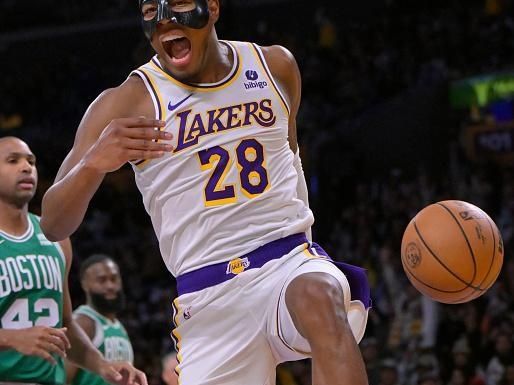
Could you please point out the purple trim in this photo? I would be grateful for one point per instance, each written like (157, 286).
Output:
(215, 274)
(154, 93)
(356, 276)
(207, 86)
(141, 74)
(212, 275)
(265, 66)
(156, 62)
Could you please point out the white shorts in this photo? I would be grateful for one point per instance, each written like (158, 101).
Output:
(237, 332)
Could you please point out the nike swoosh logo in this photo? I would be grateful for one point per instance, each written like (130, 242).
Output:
(172, 107)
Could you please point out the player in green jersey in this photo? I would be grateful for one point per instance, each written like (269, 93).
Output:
(37, 330)
(101, 281)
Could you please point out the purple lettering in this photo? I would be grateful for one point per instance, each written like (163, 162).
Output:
(266, 116)
(250, 110)
(197, 129)
(215, 123)
(233, 119)
(181, 143)
(222, 119)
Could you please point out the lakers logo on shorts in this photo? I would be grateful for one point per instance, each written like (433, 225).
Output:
(187, 313)
(237, 266)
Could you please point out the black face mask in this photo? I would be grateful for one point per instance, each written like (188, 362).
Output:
(196, 18)
(108, 306)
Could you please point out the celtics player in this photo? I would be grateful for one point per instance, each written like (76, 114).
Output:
(101, 281)
(37, 330)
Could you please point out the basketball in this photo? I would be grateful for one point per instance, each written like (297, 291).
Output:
(452, 251)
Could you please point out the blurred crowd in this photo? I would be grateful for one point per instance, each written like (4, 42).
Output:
(350, 66)
(410, 339)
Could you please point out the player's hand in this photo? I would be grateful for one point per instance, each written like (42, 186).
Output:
(122, 373)
(128, 139)
(40, 341)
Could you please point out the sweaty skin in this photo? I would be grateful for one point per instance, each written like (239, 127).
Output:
(120, 123)
(119, 127)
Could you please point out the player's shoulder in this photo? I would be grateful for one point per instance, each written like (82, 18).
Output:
(275, 51)
(64, 245)
(129, 99)
(284, 69)
(278, 53)
(279, 59)
(86, 321)
(281, 63)
(123, 97)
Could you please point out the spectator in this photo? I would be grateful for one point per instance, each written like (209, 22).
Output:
(508, 376)
(369, 349)
(463, 361)
(429, 380)
(502, 357)
(388, 372)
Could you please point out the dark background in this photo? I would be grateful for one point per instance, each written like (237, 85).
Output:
(379, 139)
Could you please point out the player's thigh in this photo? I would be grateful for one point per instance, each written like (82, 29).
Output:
(288, 344)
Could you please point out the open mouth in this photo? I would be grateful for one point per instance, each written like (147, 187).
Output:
(178, 48)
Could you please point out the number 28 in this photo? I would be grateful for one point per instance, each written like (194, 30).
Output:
(252, 173)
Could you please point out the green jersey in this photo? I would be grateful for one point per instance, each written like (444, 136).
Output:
(112, 341)
(32, 273)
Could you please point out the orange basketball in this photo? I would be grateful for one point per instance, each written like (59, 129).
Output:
(452, 251)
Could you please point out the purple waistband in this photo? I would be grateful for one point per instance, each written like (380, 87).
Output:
(356, 276)
(212, 275)
(215, 274)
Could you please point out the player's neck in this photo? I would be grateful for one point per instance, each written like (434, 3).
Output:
(110, 316)
(218, 63)
(13, 220)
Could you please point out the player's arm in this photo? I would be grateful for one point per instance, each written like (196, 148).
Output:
(89, 327)
(82, 351)
(112, 132)
(285, 70)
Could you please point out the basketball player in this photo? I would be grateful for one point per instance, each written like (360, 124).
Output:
(169, 364)
(209, 128)
(101, 281)
(36, 326)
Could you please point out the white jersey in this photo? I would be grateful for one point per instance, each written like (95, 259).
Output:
(229, 185)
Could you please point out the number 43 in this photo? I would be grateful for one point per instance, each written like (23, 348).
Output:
(252, 173)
